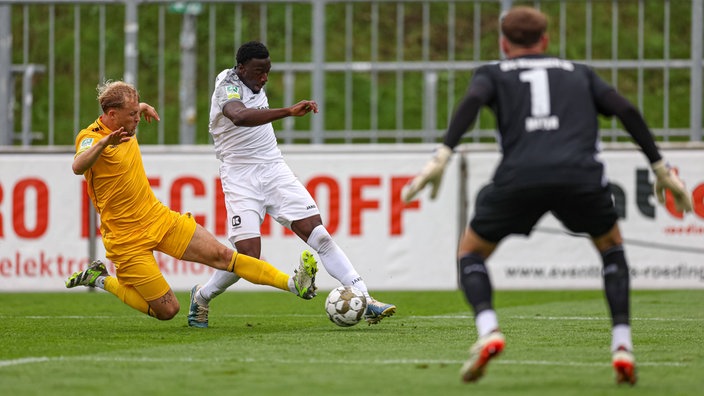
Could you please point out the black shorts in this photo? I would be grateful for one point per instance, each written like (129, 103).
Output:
(501, 211)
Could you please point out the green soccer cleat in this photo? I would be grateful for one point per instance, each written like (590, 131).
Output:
(197, 313)
(625, 366)
(89, 276)
(304, 276)
(485, 349)
(376, 311)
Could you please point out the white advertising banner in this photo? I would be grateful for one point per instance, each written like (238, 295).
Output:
(44, 220)
(664, 249)
(44, 217)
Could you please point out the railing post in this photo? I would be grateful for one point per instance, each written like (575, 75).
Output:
(430, 114)
(27, 102)
(6, 130)
(317, 123)
(131, 48)
(187, 83)
(695, 92)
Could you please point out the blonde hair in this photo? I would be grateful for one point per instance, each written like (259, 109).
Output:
(524, 26)
(114, 94)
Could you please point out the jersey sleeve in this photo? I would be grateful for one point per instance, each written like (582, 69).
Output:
(225, 92)
(479, 93)
(85, 140)
(611, 103)
(599, 89)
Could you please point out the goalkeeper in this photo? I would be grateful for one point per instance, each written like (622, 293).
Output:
(546, 110)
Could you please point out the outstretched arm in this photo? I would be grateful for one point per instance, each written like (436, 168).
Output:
(243, 116)
(465, 115)
(467, 110)
(148, 112)
(611, 102)
(85, 160)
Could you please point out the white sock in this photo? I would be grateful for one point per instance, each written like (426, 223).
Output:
(335, 260)
(292, 286)
(216, 285)
(486, 322)
(100, 282)
(621, 337)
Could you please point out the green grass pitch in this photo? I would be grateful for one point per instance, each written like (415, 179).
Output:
(271, 343)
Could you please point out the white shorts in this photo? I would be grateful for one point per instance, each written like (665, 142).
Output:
(254, 190)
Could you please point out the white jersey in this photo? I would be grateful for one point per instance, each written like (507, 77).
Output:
(239, 144)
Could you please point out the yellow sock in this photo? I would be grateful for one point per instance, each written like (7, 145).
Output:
(258, 271)
(128, 295)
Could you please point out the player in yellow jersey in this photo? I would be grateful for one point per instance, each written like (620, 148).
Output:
(134, 223)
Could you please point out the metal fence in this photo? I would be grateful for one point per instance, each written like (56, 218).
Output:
(382, 71)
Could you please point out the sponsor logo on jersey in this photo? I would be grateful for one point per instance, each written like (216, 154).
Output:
(85, 144)
(309, 207)
(233, 92)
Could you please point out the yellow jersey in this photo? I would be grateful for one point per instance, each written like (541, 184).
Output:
(120, 191)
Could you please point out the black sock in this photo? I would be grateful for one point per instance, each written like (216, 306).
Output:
(475, 282)
(617, 285)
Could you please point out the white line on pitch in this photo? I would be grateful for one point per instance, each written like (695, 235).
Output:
(459, 316)
(602, 318)
(380, 362)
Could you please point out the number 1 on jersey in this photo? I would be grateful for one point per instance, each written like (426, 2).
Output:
(540, 118)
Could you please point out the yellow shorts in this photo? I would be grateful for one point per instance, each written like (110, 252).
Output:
(134, 258)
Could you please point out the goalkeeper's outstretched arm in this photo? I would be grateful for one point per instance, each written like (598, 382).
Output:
(666, 179)
(467, 110)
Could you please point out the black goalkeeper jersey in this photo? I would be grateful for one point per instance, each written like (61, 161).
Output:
(547, 114)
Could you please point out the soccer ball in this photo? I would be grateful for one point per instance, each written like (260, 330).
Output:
(345, 306)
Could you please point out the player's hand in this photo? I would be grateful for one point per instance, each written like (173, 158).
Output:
(431, 174)
(666, 179)
(148, 112)
(304, 107)
(118, 136)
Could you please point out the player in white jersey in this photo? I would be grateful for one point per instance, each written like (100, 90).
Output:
(256, 180)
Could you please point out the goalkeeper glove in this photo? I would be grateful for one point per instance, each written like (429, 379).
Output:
(667, 179)
(431, 174)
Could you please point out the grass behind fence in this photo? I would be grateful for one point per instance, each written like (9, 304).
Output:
(36, 19)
